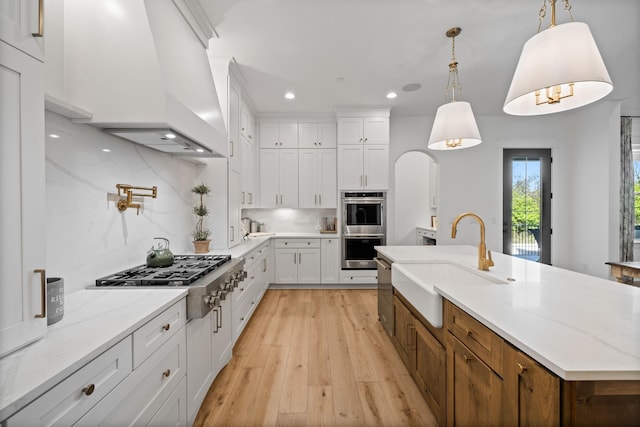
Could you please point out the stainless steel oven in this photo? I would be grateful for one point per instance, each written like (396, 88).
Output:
(358, 251)
(363, 213)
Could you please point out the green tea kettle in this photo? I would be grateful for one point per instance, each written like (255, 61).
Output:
(160, 256)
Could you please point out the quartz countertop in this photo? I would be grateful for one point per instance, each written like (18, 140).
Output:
(249, 244)
(580, 327)
(93, 321)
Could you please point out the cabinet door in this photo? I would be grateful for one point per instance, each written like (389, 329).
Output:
(222, 342)
(376, 167)
(309, 265)
(269, 178)
(327, 193)
(309, 178)
(173, 410)
(288, 135)
(327, 135)
(350, 130)
(430, 371)
(234, 129)
(199, 362)
(19, 20)
(476, 394)
(22, 190)
(247, 171)
(404, 332)
(376, 130)
(269, 135)
(350, 176)
(245, 120)
(234, 208)
(308, 135)
(532, 393)
(433, 184)
(288, 178)
(330, 261)
(286, 266)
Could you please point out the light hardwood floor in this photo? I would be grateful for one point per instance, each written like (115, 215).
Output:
(315, 358)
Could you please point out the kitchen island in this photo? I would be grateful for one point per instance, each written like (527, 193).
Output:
(582, 330)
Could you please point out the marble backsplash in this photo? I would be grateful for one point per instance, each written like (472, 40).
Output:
(87, 237)
(290, 220)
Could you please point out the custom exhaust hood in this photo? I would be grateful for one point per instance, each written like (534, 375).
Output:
(142, 72)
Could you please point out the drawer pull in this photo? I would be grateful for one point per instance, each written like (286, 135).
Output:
(468, 332)
(467, 358)
(166, 327)
(43, 292)
(521, 368)
(88, 390)
(166, 373)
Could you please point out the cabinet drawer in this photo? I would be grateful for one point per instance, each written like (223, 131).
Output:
(254, 256)
(245, 285)
(137, 399)
(156, 332)
(477, 337)
(73, 397)
(297, 243)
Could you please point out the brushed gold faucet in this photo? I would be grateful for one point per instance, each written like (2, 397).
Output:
(484, 262)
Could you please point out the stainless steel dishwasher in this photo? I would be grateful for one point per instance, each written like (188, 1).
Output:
(385, 294)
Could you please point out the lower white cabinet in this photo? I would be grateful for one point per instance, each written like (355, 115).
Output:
(330, 260)
(297, 261)
(130, 383)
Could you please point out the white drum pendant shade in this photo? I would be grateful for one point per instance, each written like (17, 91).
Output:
(559, 55)
(454, 121)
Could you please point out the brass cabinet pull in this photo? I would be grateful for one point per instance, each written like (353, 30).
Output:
(166, 373)
(40, 32)
(320, 199)
(467, 358)
(166, 327)
(467, 331)
(88, 390)
(231, 154)
(521, 368)
(43, 293)
(242, 192)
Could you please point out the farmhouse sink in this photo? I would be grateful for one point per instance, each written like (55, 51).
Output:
(415, 282)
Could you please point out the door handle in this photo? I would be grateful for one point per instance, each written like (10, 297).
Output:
(43, 293)
(40, 32)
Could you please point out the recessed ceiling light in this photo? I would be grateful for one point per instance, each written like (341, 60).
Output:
(411, 87)
(54, 135)
(391, 95)
(170, 135)
(289, 95)
(106, 150)
(199, 150)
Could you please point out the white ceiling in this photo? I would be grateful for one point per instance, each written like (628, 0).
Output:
(380, 45)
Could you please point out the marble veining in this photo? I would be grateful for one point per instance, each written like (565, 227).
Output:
(578, 326)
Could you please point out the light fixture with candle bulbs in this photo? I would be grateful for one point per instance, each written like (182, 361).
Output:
(559, 69)
(454, 126)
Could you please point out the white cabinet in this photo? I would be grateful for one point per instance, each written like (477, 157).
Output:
(297, 261)
(279, 178)
(22, 190)
(247, 174)
(433, 184)
(330, 260)
(19, 22)
(278, 135)
(65, 403)
(234, 208)
(363, 167)
(233, 128)
(317, 135)
(247, 125)
(363, 130)
(317, 178)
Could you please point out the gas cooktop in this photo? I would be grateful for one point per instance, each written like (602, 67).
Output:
(185, 270)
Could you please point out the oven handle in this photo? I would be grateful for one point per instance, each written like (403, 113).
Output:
(362, 236)
(382, 263)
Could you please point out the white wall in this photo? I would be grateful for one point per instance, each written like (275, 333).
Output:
(471, 180)
(291, 220)
(412, 207)
(87, 237)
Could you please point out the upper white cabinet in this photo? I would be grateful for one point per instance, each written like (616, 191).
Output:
(317, 178)
(278, 135)
(22, 25)
(23, 316)
(363, 130)
(278, 178)
(247, 124)
(248, 174)
(433, 184)
(317, 135)
(233, 128)
(363, 167)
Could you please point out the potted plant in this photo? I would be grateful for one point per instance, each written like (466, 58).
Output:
(201, 234)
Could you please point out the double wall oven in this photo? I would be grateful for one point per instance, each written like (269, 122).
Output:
(363, 227)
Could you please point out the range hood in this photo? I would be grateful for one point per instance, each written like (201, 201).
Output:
(142, 72)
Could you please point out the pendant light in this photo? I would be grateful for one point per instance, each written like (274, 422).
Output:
(559, 69)
(454, 126)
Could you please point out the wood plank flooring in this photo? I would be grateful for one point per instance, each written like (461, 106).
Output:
(315, 358)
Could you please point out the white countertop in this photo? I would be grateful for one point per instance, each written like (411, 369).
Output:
(578, 326)
(247, 245)
(93, 321)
